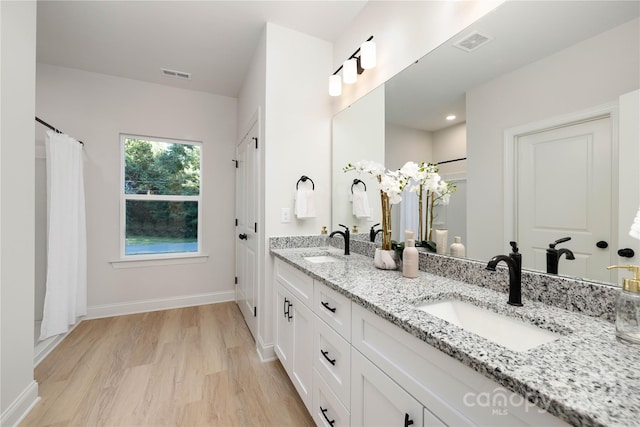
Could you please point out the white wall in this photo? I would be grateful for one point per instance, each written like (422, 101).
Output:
(357, 134)
(96, 108)
(286, 82)
(297, 138)
(403, 144)
(297, 127)
(449, 144)
(404, 31)
(18, 390)
(251, 103)
(588, 74)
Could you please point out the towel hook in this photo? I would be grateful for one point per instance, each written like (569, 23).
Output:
(304, 178)
(356, 182)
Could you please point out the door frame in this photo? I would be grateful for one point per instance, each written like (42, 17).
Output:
(511, 136)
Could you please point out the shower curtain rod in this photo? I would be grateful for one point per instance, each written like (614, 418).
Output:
(39, 120)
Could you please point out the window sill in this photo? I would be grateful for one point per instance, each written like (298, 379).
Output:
(156, 260)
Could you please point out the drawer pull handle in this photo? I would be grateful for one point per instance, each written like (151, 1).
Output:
(324, 353)
(326, 305)
(285, 309)
(289, 315)
(324, 414)
(407, 421)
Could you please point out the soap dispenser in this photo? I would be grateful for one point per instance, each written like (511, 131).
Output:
(628, 307)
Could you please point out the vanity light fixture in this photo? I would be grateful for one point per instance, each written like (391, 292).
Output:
(362, 59)
(450, 117)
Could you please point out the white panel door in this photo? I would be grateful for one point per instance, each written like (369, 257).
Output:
(246, 227)
(564, 189)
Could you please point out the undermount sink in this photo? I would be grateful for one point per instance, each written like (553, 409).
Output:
(320, 259)
(503, 330)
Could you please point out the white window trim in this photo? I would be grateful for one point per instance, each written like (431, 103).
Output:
(175, 258)
(171, 258)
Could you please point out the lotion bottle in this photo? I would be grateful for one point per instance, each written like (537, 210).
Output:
(409, 256)
(457, 248)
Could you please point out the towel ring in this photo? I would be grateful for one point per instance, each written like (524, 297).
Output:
(358, 181)
(304, 178)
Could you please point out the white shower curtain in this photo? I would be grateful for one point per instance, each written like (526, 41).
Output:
(66, 290)
(409, 214)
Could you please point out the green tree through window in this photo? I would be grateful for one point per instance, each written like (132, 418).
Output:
(161, 195)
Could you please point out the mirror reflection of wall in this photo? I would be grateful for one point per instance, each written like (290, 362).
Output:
(358, 134)
(544, 60)
(446, 146)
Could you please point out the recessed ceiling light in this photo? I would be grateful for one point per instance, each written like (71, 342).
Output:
(450, 117)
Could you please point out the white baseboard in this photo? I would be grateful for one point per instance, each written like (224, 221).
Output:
(266, 352)
(19, 408)
(133, 307)
(43, 348)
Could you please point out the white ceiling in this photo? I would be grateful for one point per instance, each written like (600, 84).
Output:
(212, 40)
(523, 32)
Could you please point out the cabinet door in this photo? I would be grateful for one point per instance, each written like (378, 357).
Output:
(376, 400)
(284, 328)
(302, 363)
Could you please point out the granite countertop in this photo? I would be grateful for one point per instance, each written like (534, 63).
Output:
(585, 377)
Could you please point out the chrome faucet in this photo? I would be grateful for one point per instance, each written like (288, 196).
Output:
(373, 232)
(553, 255)
(514, 262)
(345, 235)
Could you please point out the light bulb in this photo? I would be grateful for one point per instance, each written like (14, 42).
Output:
(335, 85)
(368, 55)
(350, 71)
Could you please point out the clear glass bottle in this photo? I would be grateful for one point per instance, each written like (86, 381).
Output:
(628, 308)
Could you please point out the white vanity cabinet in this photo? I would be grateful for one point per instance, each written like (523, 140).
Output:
(451, 393)
(353, 367)
(294, 328)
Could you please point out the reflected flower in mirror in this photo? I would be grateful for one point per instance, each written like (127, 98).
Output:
(430, 187)
(391, 185)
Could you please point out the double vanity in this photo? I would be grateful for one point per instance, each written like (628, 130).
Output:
(369, 347)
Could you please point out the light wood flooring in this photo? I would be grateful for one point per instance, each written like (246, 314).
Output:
(193, 366)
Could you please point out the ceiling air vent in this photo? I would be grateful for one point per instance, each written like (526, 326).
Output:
(176, 74)
(472, 41)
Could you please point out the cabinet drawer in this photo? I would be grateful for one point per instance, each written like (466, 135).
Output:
(447, 388)
(327, 410)
(334, 308)
(299, 284)
(332, 360)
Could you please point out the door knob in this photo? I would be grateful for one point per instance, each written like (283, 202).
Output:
(626, 253)
(242, 236)
(602, 244)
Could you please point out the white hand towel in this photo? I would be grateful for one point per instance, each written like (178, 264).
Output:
(305, 205)
(635, 227)
(361, 207)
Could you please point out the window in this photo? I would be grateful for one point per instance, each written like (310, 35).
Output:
(160, 207)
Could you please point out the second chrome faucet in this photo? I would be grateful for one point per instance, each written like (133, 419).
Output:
(514, 262)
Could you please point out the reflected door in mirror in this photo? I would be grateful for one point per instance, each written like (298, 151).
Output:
(564, 189)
